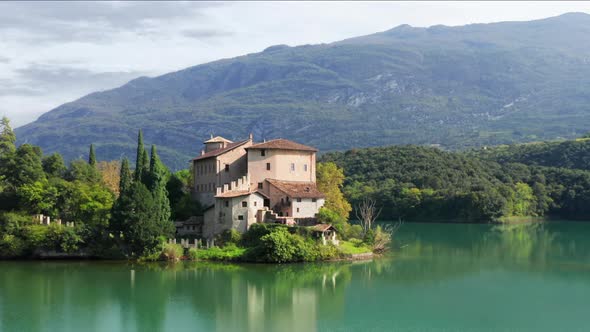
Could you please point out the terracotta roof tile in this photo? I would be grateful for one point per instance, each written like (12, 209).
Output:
(221, 151)
(297, 189)
(282, 144)
(235, 193)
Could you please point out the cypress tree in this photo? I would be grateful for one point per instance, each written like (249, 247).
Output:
(139, 161)
(125, 180)
(92, 156)
(157, 185)
(145, 169)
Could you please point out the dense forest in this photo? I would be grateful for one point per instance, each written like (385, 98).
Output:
(428, 184)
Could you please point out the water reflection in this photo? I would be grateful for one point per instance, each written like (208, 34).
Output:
(435, 271)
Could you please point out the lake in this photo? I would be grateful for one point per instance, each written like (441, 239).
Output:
(439, 277)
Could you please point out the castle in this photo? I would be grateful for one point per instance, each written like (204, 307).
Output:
(241, 183)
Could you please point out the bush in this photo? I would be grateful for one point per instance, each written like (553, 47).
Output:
(172, 252)
(10, 222)
(62, 239)
(11, 246)
(278, 246)
(229, 236)
(193, 254)
(354, 232)
(381, 240)
(327, 252)
(252, 237)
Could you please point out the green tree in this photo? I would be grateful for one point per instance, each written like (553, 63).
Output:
(135, 216)
(141, 161)
(92, 156)
(125, 180)
(30, 167)
(54, 166)
(157, 179)
(7, 137)
(330, 179)
(82, 171)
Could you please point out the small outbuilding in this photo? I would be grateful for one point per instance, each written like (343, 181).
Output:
(326, 232)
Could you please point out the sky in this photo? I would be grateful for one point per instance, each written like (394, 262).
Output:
(55, 52)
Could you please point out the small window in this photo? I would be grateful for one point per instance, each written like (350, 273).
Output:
(260, 185)
(314, 200)
(298, 200)
(263, 153)
(286, 214)
(240, 217)
(268, 166)
(244, 204)
(226, 167)
(292, 167)
(297, 210)
(255, 203)
(226, 203)
(305, 167)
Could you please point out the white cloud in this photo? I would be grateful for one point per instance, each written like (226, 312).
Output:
(54, 52)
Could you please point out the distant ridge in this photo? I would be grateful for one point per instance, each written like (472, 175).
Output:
(464, 86)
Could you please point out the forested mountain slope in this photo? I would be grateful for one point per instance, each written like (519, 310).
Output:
(474, 85)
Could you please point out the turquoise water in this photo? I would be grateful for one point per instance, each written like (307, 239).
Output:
(439, 278)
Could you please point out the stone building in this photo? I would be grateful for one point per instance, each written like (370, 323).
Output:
(241, 183)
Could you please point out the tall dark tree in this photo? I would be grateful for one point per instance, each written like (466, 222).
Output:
(92, 156)
(141, 161)
(134, 215)
(157, 179)
(125, 180)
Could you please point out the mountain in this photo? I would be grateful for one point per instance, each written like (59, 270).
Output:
(456, 87)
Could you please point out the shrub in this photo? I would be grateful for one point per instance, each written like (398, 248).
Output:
(381, 240)
(193, 254)
(62, 239)
(369, 237)
(255, 233)
(172, 252)
(10, 222)
(278, 246)
(229, 236)
(327, 252)
(11, 246)
(354, 232)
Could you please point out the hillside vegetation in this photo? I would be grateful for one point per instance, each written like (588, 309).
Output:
(467, 86)
(421, 183)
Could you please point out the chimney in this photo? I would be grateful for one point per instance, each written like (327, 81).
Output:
(202, 152)
(251, 137)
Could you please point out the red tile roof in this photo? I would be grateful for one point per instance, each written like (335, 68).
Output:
(282, 144)
(236, 193)
(297, 189)
(221, 151)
